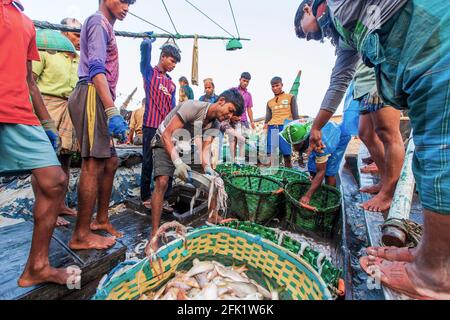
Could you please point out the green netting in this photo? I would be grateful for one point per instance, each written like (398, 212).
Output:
(53, 40)
(226, 169)
(253, 197)
(285, 175)
(328, 271)
(326, 200)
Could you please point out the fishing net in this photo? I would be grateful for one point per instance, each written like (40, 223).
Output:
(267, 262)
(253, 197)
(326, 269)
(321, 213)
(285, 175)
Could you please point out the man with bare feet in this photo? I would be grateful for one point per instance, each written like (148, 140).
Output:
(97, 121)
(410, 48)
(379, 129)
(28, 140)
(56, 75)
(189, 121)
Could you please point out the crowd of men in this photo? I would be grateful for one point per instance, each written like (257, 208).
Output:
(55, 104)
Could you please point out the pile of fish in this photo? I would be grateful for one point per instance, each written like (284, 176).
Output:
(211, 280)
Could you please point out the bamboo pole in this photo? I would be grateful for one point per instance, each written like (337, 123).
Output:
(394, 233)
(126, 34)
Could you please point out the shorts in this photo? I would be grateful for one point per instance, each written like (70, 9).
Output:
(24, 148)
(90, 123)
(415, 75)
(366, 108)
(284, 147)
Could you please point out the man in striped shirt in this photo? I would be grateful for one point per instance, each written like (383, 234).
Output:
(159, 101)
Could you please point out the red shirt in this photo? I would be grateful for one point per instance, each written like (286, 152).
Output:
(18, 45)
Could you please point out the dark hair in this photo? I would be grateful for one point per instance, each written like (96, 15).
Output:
(233, 96)
(183, 79)
(304, 145)
(246, 75)
(276, 80)
(298, 19)
(169, 50)
(123, 1)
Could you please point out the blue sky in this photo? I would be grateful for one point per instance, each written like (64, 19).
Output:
(273, 50)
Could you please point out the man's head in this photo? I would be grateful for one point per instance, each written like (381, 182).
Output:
(170, 56)
(117, 8)
(306, 25)
(209, 86)
(183, 81)
(303, 146)
(74, 37)
(230, 104)
(244, 80)
(277, 85)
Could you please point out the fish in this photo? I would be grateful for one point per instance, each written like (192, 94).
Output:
(265, 293)
(241, 289)
(210, 292)
(202, 280)
(200, 267)
(230, 274)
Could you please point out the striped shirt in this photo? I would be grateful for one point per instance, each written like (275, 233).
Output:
(159, 89)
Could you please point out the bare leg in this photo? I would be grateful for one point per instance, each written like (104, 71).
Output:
(161, 184)
(374, 145)
(83, 238)
(387, 126)
(233, 146)
(287, 162)
(65, 165)
(105, 183)
(48, 187)
(331, 181)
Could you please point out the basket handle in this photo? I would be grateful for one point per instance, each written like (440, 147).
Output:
(308, 207)
(279, 191)
(181, 230)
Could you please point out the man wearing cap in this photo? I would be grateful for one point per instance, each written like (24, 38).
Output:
(324, 164)
(56, 75)
(246, 121)
(186, 92)
(283, 107)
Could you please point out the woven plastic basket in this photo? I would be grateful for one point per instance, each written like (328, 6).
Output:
(285, 175)
(253, 197)
(320, 216)
(298, 280)
(326, 269)
(228, 169)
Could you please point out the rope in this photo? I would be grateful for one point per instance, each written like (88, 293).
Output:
(154, 25)
(235, 23)
(209, 18)
(170, 17)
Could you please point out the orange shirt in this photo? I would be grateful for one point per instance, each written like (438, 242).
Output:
(18, 45)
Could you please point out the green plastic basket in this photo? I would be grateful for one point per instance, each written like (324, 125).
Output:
(285, 175)
(227, 169)
(54, 41)
(326, 201)
(254, 197)
(326, 269)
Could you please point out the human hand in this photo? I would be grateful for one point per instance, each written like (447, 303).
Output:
(182, 170)
(305, 199)
(210, 171)
(117, 126)
(49, 127)
(315, 140)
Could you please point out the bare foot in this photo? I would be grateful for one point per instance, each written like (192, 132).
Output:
(31, 278)
(374, 189)
(95, 225)
(91, 241)
(371, 168)
(379, 203)
(66, 211)
(61, 222)
(392, 253)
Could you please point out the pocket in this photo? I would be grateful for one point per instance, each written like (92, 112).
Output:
(372, 52)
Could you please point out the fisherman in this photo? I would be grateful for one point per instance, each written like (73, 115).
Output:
(136, 123)
(323, 165)
(409, 46)
(97, 121)
(244, 125)
(379, 129)
(160, 93)
(210, 95)
(190, 120)
(28, 140)
(186, 92)
(56, 75)
(280, 110)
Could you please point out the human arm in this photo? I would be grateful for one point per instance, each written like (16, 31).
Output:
(315, 183)
(268, 116)
(146, 57)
